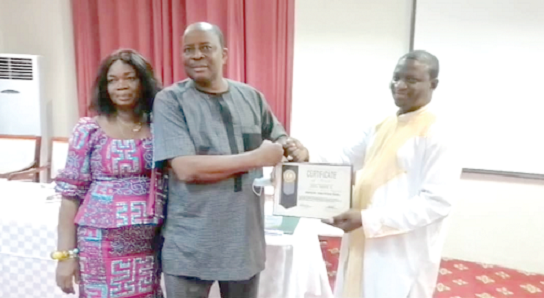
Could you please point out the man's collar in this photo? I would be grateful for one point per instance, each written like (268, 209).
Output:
(410, 115)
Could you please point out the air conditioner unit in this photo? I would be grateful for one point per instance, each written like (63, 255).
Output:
(24, 109)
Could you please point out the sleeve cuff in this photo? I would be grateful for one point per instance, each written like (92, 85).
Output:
(170, 149)
(374, 224)
(371, 222)
(69, 190)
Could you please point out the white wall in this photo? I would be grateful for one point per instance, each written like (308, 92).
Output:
(1, 26)
(1, 34)
(498, 220)
(489, 51)
(345, 52)
(45, 28)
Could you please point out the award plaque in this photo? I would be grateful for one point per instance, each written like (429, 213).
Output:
(312, 190)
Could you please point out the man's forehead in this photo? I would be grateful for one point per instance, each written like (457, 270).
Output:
(198, 36)
(411, 65)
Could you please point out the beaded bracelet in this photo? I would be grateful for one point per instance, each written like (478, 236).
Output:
(65, 255)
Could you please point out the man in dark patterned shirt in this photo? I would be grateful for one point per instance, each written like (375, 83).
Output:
(216, 134)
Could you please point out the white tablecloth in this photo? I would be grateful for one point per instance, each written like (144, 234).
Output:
(27, 237)
(294, 267)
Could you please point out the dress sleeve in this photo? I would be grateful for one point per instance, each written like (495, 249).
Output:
(74, 180)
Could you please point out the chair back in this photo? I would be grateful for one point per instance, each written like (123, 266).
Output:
(59, 154)
(19, 153)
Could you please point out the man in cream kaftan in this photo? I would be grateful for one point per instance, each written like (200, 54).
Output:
(406, 172)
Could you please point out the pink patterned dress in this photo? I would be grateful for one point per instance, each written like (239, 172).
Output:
(122, 198)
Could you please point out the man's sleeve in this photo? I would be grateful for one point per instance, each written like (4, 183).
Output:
(440, 173)
(354, 153)
(270, 126)
(171, 136)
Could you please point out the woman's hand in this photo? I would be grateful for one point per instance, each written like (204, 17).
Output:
(67, 274)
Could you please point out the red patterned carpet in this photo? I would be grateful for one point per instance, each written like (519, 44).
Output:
(461, 279)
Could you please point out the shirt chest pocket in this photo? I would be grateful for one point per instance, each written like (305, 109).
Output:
(251, 136)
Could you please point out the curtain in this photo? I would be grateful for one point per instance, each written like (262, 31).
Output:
(259, 36)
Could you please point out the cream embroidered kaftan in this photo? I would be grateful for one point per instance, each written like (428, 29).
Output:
(408, 198)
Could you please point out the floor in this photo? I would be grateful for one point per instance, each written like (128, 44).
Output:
(462, 279)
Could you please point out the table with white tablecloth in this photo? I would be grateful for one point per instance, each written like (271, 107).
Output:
(27, 237)
(28, 223)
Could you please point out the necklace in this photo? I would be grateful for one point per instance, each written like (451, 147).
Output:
(136, 127)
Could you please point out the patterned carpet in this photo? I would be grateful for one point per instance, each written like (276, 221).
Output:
(461, 279)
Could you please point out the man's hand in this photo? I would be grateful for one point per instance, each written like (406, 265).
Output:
(348, 221)
(296, 150)
(269, 154)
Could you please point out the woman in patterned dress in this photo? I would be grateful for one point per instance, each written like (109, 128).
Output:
(112, 195)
